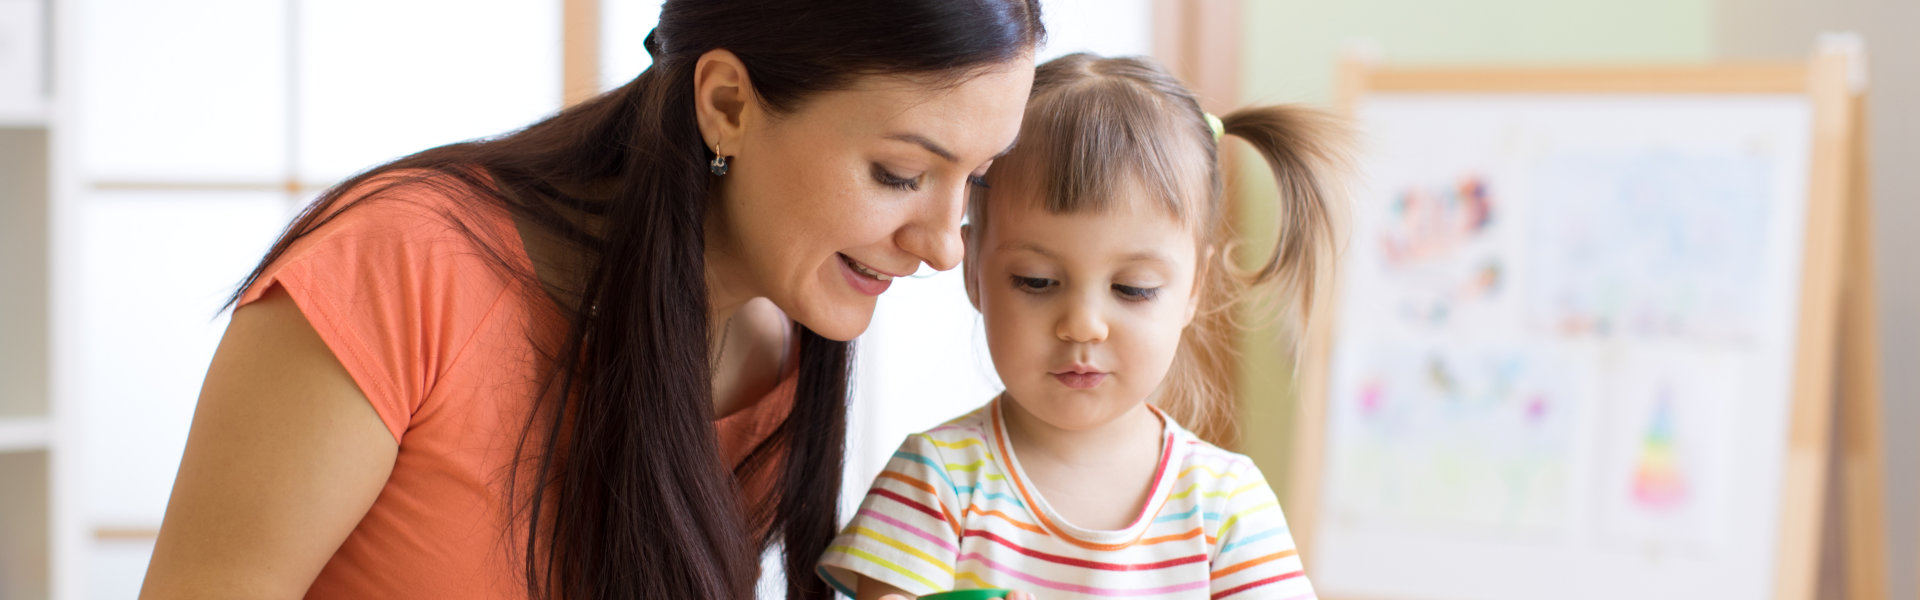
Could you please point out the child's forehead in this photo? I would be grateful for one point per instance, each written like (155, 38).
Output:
(1119, 230)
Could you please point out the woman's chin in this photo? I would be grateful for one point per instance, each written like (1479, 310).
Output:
(839, 326)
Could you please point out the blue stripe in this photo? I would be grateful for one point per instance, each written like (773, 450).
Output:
(1211, 516)
(1253, 538)
(937, 468)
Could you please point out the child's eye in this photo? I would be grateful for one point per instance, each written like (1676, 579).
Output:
(979, 181)
(887, 178)
(1135, 294)
(1032, 285)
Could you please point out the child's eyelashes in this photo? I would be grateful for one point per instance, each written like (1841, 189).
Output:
(1038, 285)
(1032, 285)
(1135, 294)
(979, 181)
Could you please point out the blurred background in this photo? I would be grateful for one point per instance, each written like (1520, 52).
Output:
(150, 151)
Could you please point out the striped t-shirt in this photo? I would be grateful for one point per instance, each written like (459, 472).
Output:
(953, 510)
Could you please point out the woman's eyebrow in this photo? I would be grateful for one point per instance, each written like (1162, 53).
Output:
(914, 138)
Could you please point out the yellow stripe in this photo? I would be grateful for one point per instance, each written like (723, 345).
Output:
(969, 576)
(1248, 487)
(972, 466)
(957, 445)
(994, 477)
(901, 546)
(1190, 487)
(1209, 470)
(1236, 516)
(887, 564)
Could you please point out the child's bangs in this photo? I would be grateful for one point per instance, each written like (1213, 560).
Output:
(1093, 146)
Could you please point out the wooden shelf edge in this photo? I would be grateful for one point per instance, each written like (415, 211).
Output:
(24, 434)
(32, 116)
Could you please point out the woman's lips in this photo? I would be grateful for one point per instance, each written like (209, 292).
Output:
(871, 285)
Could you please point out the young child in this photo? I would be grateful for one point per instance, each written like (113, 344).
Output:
(1096, 257)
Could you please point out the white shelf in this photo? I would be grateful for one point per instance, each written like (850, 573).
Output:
(21, 434)
(32, 116)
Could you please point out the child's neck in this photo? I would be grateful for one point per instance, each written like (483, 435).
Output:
(1098, 478)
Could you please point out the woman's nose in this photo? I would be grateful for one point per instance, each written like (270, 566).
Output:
(934, 236)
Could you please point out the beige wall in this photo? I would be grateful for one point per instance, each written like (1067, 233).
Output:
(1784, 29)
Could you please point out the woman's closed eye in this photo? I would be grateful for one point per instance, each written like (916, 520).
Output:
(887, 178)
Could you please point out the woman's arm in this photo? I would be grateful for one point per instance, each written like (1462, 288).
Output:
(284, 458)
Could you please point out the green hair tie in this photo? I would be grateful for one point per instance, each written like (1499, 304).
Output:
(1218, 128)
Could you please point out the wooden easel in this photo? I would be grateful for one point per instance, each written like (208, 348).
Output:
(1837, 362)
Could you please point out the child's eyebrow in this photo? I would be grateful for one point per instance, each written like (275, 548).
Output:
(1130, 257)
(1028, 246)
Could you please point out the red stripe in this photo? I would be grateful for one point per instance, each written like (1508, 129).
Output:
(1273, 579)
(910, 503)
(1088, 564)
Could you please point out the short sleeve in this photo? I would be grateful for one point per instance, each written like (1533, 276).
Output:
(906, 533)
(1256, 557)
(395, 288)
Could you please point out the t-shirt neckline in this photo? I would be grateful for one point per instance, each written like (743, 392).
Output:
(1058, 525)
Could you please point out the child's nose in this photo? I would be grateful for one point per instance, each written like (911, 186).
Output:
(1082, 324)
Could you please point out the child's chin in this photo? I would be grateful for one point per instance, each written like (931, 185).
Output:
(1078, 411)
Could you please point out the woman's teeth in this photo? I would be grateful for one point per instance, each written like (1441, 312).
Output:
(863, 270)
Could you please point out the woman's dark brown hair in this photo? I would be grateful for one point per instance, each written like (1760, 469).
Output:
(624, 494)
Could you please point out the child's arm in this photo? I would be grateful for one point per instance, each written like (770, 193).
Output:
(905, 535)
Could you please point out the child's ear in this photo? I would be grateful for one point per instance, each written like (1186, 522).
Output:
(969, 267)
(1201, 266)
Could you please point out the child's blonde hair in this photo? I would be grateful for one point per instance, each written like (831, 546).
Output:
(1096, 126)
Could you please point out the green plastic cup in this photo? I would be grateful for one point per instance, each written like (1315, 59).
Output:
(987, 594)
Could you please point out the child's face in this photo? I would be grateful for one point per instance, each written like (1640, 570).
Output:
(1083, 311)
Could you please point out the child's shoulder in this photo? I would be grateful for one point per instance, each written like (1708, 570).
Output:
(971, 428)
(1201, 462)
(962, 440)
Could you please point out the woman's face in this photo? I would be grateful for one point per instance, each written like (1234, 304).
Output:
(822, 206)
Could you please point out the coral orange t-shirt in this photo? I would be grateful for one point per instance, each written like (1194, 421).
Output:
(448, 350)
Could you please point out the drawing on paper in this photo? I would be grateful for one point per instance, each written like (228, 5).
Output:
(1446, 439)
(1648, 245)
(1668, 449)
(1658, 479)
(1435, 250)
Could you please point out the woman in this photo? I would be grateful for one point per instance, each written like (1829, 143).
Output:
(604, 356)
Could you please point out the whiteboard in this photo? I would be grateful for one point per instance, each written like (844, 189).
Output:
(1564, 347)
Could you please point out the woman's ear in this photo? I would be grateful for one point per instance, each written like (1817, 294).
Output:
(723, 100)
(970, 267)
